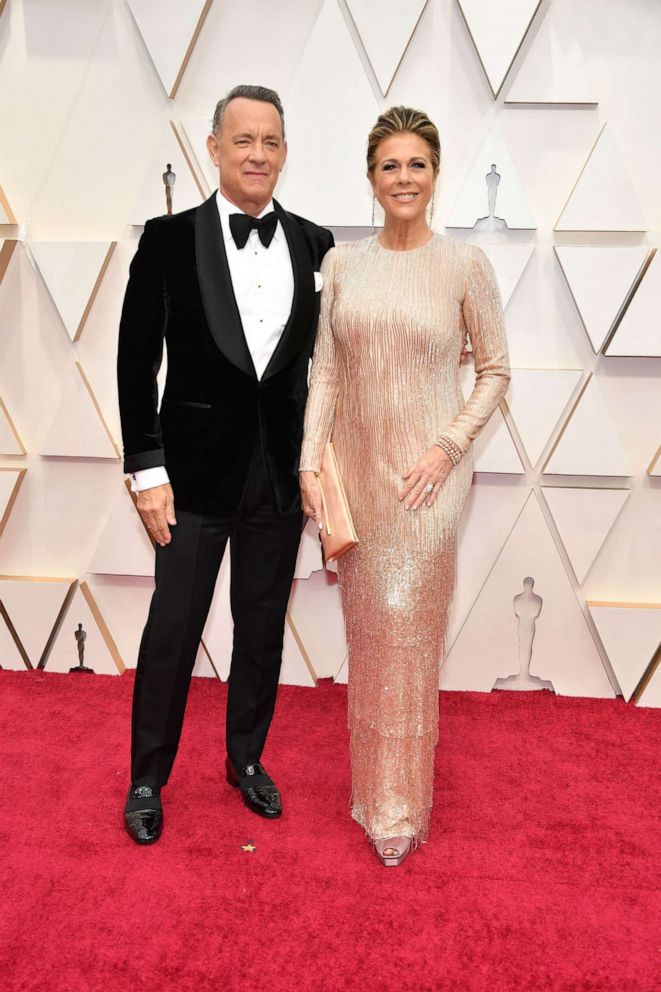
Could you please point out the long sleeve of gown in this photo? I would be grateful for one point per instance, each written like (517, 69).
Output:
(483, 316)
(324, 377)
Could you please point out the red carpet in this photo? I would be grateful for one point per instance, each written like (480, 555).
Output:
(542, 871)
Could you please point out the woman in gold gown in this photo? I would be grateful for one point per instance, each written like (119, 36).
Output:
(395, 313)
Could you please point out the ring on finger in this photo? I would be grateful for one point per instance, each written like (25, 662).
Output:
(429, 488)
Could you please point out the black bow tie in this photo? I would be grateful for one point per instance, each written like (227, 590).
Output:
(242, 224)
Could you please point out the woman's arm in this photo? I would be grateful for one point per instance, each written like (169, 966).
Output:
(324, 378)
(322, 398)
(483, 315)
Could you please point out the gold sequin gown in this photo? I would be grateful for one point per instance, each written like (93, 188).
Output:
(385, 385)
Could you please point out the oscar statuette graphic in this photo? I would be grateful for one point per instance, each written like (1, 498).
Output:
(527, 607)
(169, 179)
(491, 222)
(81, 636)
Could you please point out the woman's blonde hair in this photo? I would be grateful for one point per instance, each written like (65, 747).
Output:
(400, 120)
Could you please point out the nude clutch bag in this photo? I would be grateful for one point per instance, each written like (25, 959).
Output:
(338, 533)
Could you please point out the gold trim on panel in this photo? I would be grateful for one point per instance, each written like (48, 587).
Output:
(623, 605)
(97, 408)
(647, 676)
(189, 50)
(210, 659)
(103, 627)
(652, 464)
(612, 332)
(4, 202)
(578, 178)
(12, 428)
(578, 395)
(301, 648)
(189, 163)
(20, 474)
(95, 289)
(14, 635)
(609, 334)
(6, 254)
(59, 619)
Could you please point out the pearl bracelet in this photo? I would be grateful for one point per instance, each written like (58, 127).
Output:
(452, 450)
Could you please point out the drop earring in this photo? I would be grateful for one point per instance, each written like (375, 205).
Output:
(431, 213)
(373, 209)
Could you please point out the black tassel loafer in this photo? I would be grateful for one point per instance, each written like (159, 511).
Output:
(258, 790)
(143, 814)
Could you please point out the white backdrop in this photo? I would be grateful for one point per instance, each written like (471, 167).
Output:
(565, 98)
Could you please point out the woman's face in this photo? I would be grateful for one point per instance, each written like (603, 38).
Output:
(403, 177)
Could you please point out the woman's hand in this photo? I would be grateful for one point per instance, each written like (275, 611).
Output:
(432, 469)
(311, 497)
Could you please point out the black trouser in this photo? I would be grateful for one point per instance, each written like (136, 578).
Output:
(263, 548)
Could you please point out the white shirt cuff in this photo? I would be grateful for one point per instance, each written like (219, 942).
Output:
(148, 478)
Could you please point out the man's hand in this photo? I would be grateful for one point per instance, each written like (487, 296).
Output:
(311, 497)
(156, 507)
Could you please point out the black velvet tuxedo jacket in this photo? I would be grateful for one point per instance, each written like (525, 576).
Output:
(214, 408)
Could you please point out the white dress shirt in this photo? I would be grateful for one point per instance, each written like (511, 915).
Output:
(263, 281)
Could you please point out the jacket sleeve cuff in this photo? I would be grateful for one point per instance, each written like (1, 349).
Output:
(144, 459)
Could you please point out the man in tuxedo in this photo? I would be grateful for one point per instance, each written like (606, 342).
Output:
(231, 288)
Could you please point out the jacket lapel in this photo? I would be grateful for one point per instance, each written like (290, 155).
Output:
(215, 281)
(303, 306)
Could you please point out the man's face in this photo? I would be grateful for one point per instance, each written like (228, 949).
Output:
(250, 153)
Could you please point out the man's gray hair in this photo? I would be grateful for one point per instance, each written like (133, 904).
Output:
(260, 93)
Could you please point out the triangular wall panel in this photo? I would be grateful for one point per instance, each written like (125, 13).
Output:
(10, 483)
(124, 547)
(33, 605)
(509, 263)
(309, 184)
(296, 664)
(536, 400)
(554, 70)
(584, 518)
(497, 30)
(315, 610)
(72, 272)
(187, 191)
(603, 198)
(589, 443)
(472, 208)
(493, 449)
(10, 442)
(78, 429)
(563, 649)
(100, 652)
(639, 332)
(169, 30)
(385, 33)
(631, 634)
(11, 657)
(309, 552)
(490, 513)
(600, 279)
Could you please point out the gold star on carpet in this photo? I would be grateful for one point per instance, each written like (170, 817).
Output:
(249, 847)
